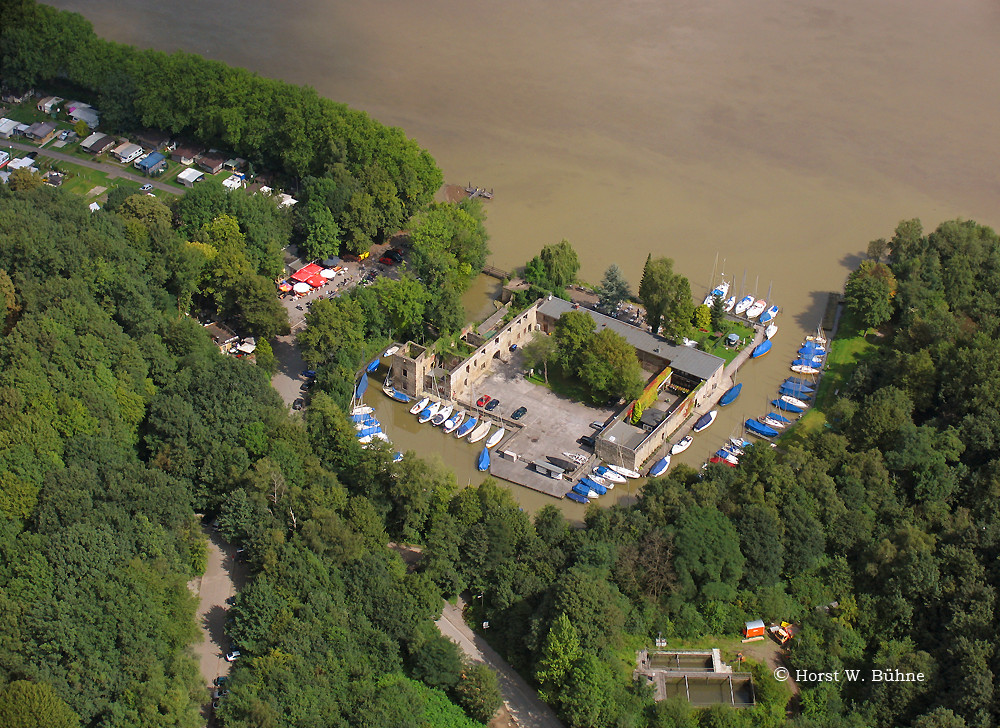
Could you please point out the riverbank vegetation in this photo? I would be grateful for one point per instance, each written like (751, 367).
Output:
(362, 180)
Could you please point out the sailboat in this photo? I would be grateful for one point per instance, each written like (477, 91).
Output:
(794, 401)
(770, 331)
(760, 429)
(609, 474)
(730, 304)
(480, 432)
(769, 314)
(442, 415)
(484, 460)
(496, 437)
(362, 409)
(659, 467)
(757, 309)
(419, 406)
(428, 412)
(744, 303)
(731, 394)
(705, 421)
(621, 470)
(719, 291)
(787, 406)
(372, 366)
(454, 421)
(593, 485)
(466, 427)
(761, 349)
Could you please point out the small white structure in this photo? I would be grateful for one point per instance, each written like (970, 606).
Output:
(7, 127)
(234, 182)
(189, 176)
(286, 200)
(127, 152)
(94, 207)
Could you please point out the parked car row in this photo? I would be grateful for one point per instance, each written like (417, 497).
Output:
(489, 404)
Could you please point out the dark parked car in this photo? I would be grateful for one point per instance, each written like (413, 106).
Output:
(309, 373)
(221, 679)
(298, 404)
(493, 404)
(519, 413)
(587, 440)
(481, 402)
(396, 254)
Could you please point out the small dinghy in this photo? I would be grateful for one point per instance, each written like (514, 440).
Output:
(420, 406)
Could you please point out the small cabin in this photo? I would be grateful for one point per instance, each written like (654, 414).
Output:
(754, 629)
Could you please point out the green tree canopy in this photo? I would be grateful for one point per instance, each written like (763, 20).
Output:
(613, 290)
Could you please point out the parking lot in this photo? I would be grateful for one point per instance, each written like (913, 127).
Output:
(552, 426)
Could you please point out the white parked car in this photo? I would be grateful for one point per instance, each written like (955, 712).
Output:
(232, 656)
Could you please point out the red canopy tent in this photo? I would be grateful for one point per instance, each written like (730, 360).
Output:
(303, 274)
(316, 280)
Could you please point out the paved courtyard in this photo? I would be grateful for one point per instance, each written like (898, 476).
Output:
(552, 426)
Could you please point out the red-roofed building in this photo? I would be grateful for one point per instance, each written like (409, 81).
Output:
(304, 274)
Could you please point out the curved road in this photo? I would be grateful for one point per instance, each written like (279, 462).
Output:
(520, 698)
(111, 169)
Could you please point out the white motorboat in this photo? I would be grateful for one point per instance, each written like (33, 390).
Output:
(730, 304)
(496, 437)
(621, 470)
(681, 445)
(428, 412)
(757, 309)
(419, 406)
(770, 331)
(744, 303)
(480, 432)
(454, 421)
(442, 415)
(390, 351)
(659, 467)
(362, 410)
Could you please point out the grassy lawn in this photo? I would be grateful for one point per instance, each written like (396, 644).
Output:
(568, 387)
(716, 344)
(849, 348)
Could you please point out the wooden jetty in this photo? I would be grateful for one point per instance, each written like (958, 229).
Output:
(493, 271)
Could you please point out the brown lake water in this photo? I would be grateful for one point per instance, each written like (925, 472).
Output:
(779, 137)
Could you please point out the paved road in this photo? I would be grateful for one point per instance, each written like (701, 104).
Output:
(111, 169)
(520, 698)
(221, 580)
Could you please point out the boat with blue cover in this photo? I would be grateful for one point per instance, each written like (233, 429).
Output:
(484, 460)
(796, 391)
(372, 366)
(659, 467)
(466, 427)
(761, 349)
(585, 491)
(577, 498)
(801, 382)
(787, 407)
(726, 455)
(705, 421)
(593, 485)
(760, 429)
(731, 394)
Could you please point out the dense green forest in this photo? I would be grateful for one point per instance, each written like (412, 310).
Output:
(362, 180)
(121, 422)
